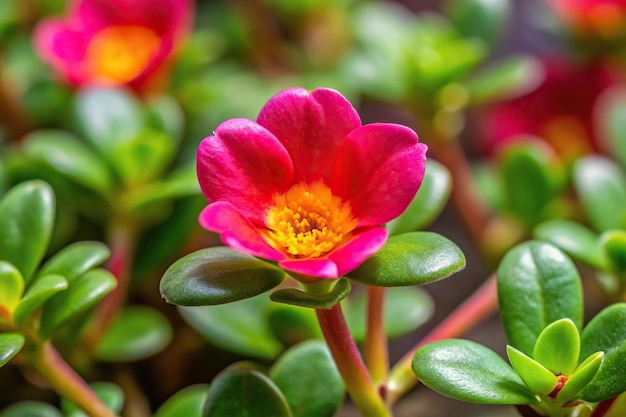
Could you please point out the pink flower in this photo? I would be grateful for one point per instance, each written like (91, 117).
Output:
(307, 185)
(593, 17)
(115, 42)
(559, 111)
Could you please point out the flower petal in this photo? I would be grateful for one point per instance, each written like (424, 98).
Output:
(319, 267)
(236, 231)
(245, 165)
(378, 169)
(310, 125)
(363, 244)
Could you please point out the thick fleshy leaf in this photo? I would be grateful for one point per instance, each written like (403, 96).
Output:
(30, 409)
(606, 332)
(504, 80)
(107, 117)
(467, 371)
(137, 332)
(74, 260)
(256, 395)
(574, 239)
(11, 288)
(111, 395)
(427, 204)
(601, 187)
(82, 294)
(558, 347)
(216, 276)
(313, 300)
(483, 19)
(37, 294)
(308, 378)
(528, 196)
(537, 285)
(613, 244)
(581, 377)
(406, 309)
(411, 259)
(292, 324)
(66, 154)
(239, 327)
(10, 345)
(26, 219)
(187, 402)
(536, 377)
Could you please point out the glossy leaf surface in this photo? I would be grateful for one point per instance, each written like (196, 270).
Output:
(37, 294)
(292, 296)
(11, 287)
(536, 377)
(10, 345)
(75, 259)
(558, 347)
(187, 402)
(574, 239)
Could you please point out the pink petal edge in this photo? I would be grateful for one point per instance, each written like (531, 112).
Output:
(363, 244)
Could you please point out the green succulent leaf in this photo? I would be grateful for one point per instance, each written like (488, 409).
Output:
(537, 285)
(483, 19)
(107, 117)
(74, 260)
(292, 324)
(585, 372)
(256, 395)
(217, 275)
(410, 259)
(81, 295)
(405, 310)
(30, 409)
(26, 219)
(427, 204)
(240, 327)
(165, 114)
(37, 294)
(536, 377)
(11, 288)
(187, 402)
(606, 332)
(111, 395)
(295, 297)
(507, 79)
(574, 239)
(64, 153)
(136, 333)
(10, 345)
(613, 244)
(467, 371)
(181, 183)
(308, 378)
(558, 346)
(601, 187)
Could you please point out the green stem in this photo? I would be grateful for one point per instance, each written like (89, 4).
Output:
(66, 382)
(349, 363)
(375, 348)
(473, 310)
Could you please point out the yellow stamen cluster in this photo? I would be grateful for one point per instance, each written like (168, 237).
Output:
(118, 54)
(308, 221)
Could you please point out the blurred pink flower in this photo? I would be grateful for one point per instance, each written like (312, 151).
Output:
(592, 17)
(115, 42)
(306, 184)
(559, 111)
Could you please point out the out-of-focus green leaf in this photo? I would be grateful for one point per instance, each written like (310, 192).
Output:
(30, 409)
(239, 327)
(187, 402)
(26, 219)
(427, 204)
(136, 333)
(111, 395)
(74, 260)
(292, 324)
(574, 239)
(165, 114)
(11, 287)
(483, 19)
(613, 245)
(610, 112)
(10, 345)
(217, 275)
(410, 259)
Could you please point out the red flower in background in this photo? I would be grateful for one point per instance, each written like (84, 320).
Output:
(115, 42)
(601, 17)
(307, 185)
(560, 110)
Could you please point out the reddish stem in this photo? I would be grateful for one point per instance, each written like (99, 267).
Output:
(12, 115)
(376, 350)
(603, 407)
(349, 362)
(473, 310)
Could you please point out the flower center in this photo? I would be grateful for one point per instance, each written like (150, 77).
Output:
(118, 54)
(308, 221)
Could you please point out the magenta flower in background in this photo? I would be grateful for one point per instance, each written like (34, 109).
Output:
(307, 185)
(115, 42)
(560, 110)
